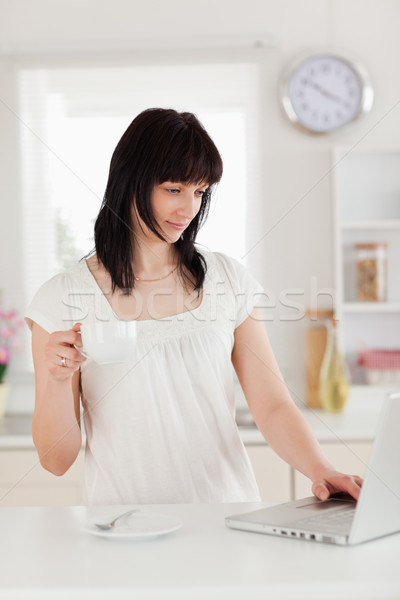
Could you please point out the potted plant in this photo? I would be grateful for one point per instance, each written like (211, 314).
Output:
(9, 324)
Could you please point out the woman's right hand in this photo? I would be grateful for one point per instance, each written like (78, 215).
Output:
(61, 345)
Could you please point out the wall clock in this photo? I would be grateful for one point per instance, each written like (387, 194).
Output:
(323, 92)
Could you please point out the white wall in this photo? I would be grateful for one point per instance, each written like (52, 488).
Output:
(291, 224)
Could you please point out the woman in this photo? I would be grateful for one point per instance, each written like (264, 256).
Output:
(161, 428)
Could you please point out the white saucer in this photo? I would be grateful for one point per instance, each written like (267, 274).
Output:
(139, 526)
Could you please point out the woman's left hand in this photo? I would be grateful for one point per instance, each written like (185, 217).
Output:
(332, 482)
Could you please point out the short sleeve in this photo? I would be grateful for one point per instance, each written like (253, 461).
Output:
(245, 287)
(56, 305)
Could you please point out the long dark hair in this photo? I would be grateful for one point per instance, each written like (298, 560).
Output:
(159, 145)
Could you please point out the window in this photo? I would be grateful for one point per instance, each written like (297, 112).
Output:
(73, 119)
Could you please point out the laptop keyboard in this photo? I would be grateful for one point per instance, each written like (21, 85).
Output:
(336, 519)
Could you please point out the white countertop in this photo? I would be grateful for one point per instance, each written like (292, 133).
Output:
(45, 554)
(351, 425)
(356, 423)
(15, 430)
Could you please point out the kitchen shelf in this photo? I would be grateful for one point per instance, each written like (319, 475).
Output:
(384, 224)
(371, 307)
(366, 209)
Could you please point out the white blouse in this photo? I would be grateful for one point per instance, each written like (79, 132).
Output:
(161, 428)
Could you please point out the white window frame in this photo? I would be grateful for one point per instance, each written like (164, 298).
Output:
(14, 275)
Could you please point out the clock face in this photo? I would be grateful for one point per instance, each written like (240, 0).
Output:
(325, 92)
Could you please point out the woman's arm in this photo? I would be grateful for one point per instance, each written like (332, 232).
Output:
(277, 417)
(56, 419)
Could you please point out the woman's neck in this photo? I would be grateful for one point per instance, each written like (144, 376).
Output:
(153, 259)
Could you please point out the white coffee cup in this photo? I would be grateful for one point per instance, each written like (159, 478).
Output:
(108, 342)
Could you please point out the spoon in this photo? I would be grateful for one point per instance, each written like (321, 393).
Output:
(110, 524)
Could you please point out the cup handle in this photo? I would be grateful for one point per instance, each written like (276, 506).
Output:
(81, 351)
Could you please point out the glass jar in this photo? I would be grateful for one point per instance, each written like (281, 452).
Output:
(371, 272)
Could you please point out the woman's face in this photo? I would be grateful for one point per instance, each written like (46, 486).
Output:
(174, 206)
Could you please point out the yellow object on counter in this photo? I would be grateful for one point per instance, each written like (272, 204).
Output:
(334, 381)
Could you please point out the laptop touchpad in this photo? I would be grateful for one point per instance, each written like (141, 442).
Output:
(328, 504)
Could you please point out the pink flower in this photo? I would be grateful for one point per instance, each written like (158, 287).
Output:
(9, 332)
(4, 355)
(9, 324)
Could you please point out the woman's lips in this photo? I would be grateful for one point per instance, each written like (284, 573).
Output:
(178, 226)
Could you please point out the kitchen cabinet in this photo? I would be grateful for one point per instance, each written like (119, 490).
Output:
(351, 458)
(346, 439)
(273, 475)
(24, 482)
(366, 193)
(278, 482)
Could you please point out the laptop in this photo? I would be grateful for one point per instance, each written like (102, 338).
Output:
(340, 519)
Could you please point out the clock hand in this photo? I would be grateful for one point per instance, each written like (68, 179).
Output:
(325, 93)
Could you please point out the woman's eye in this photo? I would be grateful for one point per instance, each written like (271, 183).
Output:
(176, 191)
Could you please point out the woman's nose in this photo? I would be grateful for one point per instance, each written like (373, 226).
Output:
(190, 207)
